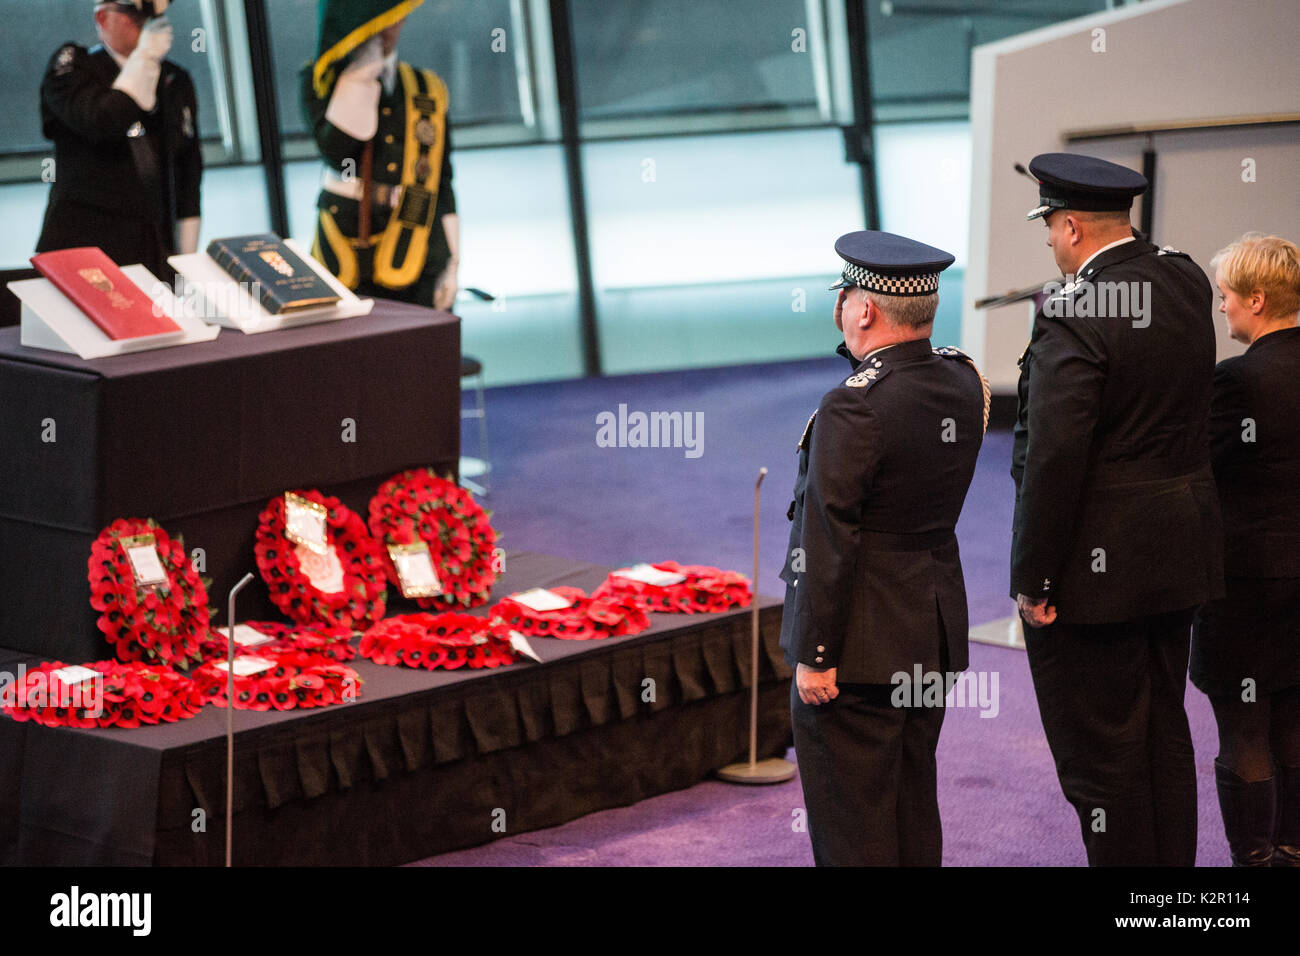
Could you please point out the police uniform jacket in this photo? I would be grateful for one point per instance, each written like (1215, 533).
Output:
(1255, 443)
(873, 576)
(100, 196)
(1116, 512)
(343, 154)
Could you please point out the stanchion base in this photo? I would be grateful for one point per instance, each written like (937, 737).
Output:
(772, 770)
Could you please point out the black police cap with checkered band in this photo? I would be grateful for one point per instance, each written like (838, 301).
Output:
(889, 264)
(1086, 183)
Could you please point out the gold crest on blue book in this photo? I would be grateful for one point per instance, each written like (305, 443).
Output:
(278, 276)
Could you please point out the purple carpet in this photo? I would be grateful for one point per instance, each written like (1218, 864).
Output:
(554, 489)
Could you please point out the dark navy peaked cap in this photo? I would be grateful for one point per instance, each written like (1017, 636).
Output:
(889, 264)
(1086, 183)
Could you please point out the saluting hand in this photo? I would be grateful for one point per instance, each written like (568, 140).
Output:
(815, 686)
(1036, 612)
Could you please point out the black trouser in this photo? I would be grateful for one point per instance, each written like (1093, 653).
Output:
(1111, 701)
(869, 778)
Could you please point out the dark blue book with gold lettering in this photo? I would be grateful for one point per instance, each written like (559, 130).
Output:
(279, 278)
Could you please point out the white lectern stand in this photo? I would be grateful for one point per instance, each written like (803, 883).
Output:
(50, 320)
(229, 303)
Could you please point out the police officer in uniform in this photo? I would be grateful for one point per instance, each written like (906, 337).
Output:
(874, 584)
(387, 223)
(127, 157)
(1117, 536)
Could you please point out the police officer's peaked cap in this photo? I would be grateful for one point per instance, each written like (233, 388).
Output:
(889, 264)
(1086, 183)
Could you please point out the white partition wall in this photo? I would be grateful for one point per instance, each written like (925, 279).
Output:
(1164, 63)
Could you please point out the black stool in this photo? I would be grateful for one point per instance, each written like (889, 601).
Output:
(478, 467)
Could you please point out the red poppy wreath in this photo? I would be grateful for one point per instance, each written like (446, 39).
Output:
(448, 641)
(585, 618)
(279, 680)
(153, 606)
(339, 581)
(419, 507)
(101, 694)
(328, 641)
(700, 588)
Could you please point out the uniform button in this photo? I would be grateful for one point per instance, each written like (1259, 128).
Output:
(334, 210)
(388, 111)
(392, 167)
(819, 660)
(388, 138)
(820, 648)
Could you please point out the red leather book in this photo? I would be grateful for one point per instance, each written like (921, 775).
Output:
(98, 287)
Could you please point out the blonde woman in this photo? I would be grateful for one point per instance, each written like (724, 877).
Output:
(1246, 648)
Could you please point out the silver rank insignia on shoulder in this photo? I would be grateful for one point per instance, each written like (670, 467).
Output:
(864, 378)
(807, 430)
(135, 130)
(1165, 250)
(63, 62)
(187, 122)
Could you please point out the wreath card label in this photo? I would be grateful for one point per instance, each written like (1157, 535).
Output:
(246, 636)
(246, 665)
(324, 571)
(305, 523)
(649, 574)
(75, 674)
(415, 572)
(141, 550)
(540, 599)
(521, 646)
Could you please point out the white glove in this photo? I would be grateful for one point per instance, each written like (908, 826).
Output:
(354, 104)
(138, 78)
(155, 39)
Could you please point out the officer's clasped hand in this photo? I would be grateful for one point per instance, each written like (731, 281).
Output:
(815, 686)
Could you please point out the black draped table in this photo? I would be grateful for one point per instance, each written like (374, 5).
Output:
(198, 438)
(422, 762)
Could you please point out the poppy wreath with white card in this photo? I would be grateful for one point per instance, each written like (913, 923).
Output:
(329, 641)
(670, 587)
(330, 573)
(101, 694)
(153, 605)
(438, 641)
(569, 614)
(420, 507)
(283, 679)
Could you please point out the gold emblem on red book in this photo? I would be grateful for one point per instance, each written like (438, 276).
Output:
(102, 283)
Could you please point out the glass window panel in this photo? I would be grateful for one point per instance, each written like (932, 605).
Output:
(191, 51)
(725, 253)
(690, 56)
(920, 51)
(454, 39)
(22, 209)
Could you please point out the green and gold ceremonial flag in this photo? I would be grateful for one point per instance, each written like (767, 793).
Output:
(344, 26)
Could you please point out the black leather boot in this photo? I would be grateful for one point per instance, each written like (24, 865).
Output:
(1248, 814)
(1287, 836)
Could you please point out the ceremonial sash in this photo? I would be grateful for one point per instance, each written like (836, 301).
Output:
(400, 251)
